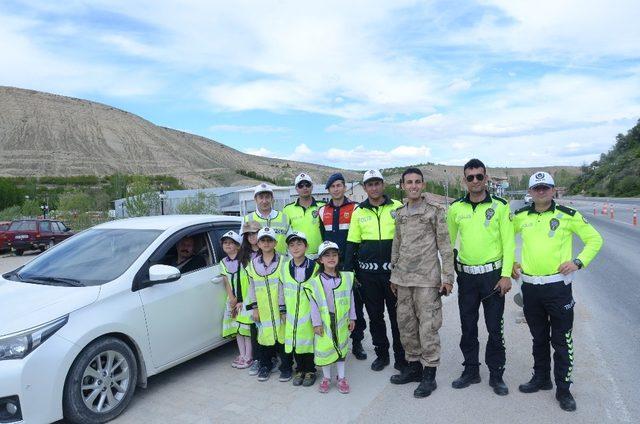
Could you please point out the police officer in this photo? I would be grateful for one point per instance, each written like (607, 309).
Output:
(266, 216)
(303, 213)
(483, 264)
(335, 218)
(547, 270)
(369, 252)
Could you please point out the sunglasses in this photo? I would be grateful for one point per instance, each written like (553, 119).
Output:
(479, 177)
(541, 188)
(304, 184)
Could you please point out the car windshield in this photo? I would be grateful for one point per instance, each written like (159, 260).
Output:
(23, 226)
(93, 257)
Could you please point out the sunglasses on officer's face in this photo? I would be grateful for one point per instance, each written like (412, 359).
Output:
(479, 177)
(304, 184)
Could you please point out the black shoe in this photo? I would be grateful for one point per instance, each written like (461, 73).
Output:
(536, 383)
(358, 350)
(409, 374)
(498, 384)
(264, 374)
(470, 375)
(567, 402)
(298, 378)
(379, 363)
(427, 384)
(309, 379)
(285, 375)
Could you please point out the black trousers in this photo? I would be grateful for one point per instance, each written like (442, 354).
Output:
(376, 293)
(304, 362)
(471, 290)
(548, 309)
(267, 353)
(358, 332)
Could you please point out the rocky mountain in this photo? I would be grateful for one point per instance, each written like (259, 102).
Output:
(43, 134)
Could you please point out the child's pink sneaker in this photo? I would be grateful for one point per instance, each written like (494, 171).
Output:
(236, 361)
(244, 363)
(343, 385)
(324, 385)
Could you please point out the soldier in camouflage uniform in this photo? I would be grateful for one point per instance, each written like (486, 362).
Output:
(421, 232)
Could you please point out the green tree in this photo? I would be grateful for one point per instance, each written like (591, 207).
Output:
(31, 207)
(10, 194)
(75, 202)
(10, 213)
(202, 203)
(142, 200)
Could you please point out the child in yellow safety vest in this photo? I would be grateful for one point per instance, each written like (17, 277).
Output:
(298, 331)
(333, 315)
(266, 300)
(236, 319)
(249, 250)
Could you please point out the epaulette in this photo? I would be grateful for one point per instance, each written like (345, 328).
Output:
(566, 210)
(500, 199)
(523, 209)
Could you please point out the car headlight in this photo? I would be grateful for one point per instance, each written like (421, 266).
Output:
(19, 345)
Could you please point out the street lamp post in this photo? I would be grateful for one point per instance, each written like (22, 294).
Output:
(162, 196)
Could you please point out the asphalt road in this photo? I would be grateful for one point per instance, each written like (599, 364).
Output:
(607, 344)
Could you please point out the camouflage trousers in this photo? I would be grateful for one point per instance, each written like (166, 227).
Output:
(419, 316)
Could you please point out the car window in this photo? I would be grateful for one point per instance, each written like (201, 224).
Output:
(93, 257)
(62, 227)
(23, 226)
(4, 227)
(189, 253)
(45, 226)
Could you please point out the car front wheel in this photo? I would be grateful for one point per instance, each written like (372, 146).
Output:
(101, 382)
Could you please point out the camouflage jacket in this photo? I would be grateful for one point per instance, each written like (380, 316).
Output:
(420, 234)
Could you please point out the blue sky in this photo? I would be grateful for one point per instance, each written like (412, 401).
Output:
(352, 84)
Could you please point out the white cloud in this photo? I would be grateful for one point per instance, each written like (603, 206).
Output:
(261, 151)
(247, 129)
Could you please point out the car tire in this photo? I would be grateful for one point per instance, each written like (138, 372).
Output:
(47, 246)
(100, 383)
(19, 252)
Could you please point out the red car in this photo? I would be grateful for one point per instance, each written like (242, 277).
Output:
(36, 234)
(4, 226)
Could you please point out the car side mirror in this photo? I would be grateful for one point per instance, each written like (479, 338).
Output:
(159, 274)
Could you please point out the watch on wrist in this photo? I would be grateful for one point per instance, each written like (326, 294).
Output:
(577, 262)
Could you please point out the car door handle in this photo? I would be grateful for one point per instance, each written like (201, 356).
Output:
(217, 280)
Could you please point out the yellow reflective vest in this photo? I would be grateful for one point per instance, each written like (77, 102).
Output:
(267, 288)
(298, 330)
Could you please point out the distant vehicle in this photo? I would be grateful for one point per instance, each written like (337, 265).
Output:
(527, 199)
(84, 323)
(36, 234)
(4, 226)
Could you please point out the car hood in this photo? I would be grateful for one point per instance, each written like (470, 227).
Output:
(24, 305)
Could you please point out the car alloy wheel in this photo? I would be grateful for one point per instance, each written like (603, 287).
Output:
(105, 381)
(101, 382)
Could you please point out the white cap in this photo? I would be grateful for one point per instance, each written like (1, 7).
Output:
(233, 236)
(541, 178)
(326, 245)
(296, 234)
(266, 232)
(262, 188)
(371, 175)
(303, 177)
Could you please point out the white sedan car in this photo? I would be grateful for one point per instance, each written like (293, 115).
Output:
(86, 322)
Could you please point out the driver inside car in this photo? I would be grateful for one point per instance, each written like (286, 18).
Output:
(187, 260)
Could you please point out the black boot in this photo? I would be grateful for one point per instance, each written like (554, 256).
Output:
(379, 363)
(428, 383)
(411, 373)
(537, 382)
(400, 364)
(567, 402)
(498, 384)
(470, 375)
(358, 350)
